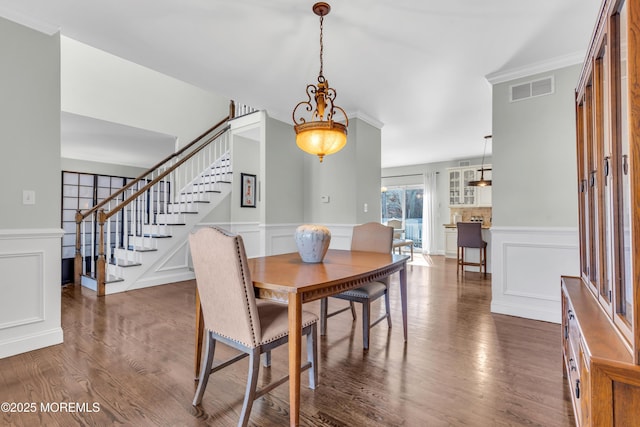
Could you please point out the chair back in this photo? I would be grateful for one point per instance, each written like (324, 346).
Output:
(372, 237)
(470, 235)
(397, 227)
(224, 284)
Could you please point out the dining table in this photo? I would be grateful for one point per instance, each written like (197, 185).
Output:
(288, 279)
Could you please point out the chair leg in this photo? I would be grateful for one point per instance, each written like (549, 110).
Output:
(312, 355)
(266, 359)
(323, 316)
(205, 369)
(252, 382)
(353, 310)
(387, 305)
(484, 260)
(366, 308)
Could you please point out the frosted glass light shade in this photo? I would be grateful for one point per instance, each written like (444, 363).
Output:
(321, 138)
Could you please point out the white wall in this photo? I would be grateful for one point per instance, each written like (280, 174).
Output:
(103, 86)
(29, 233)
(534, 232)
(83, 166)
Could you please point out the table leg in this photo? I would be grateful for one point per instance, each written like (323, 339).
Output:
(403, 297)
(295, 344)
(199, 334)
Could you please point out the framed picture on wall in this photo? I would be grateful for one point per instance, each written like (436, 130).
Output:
(248, 190)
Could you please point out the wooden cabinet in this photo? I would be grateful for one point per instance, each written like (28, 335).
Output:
(603, 380)
(600, 322)
(461, 194)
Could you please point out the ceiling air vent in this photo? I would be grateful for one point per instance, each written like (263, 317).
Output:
(531, 89)
(464, 163)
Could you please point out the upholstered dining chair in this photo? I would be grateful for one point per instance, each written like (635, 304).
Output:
(470, 236)
(369, 237)
(399, 237)
(233, 316)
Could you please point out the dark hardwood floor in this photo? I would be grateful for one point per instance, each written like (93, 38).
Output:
(127, 359)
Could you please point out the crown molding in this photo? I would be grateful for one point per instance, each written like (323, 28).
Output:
(547, 65)
(366, 118)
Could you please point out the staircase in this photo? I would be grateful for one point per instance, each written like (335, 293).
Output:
(138, 237)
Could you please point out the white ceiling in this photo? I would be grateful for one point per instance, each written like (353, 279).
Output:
(418, 67)
(94, 140)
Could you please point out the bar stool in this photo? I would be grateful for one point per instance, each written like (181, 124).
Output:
(470, 236)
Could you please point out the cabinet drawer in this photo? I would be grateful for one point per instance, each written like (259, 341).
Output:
(572, 347)
(572, 334)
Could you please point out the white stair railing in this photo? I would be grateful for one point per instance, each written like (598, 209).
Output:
(130, 221)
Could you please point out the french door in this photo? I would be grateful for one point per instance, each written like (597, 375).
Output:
(405, 203)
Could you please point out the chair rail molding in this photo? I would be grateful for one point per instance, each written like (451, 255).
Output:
(274, 239)
(30, 310)
(280, 237)
(527, 265)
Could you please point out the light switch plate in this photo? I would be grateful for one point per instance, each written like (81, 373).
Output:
(324, 199)
(28, 197)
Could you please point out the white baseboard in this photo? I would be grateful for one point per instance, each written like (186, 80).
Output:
(35, 341)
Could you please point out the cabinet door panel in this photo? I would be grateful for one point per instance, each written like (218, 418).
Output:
(602, 162)
(455, 187)
(469, 193)
(624, 287)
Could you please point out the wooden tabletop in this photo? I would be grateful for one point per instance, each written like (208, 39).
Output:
(340, 270)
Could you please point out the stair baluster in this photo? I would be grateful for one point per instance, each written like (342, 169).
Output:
(142, 210)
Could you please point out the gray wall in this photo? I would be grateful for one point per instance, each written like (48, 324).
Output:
(368, 158)
(534, 157)
(30, 124)
(284, 174)
(30, 300)
(245, 159)
(349, 178)
(534, 235)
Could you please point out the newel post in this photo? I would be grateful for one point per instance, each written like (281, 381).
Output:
(101, 262)
(77, 263)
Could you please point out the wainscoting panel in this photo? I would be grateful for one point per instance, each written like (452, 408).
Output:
(21, 289)
(340, 236)
(252, 236)
(275, 239)
(280, 237)
(30, 290)
(527, 265)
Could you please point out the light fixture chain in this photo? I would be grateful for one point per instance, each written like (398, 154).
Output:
(321, 50)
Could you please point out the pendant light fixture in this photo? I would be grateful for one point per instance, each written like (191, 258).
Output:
(316, 130)
(482, 182)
